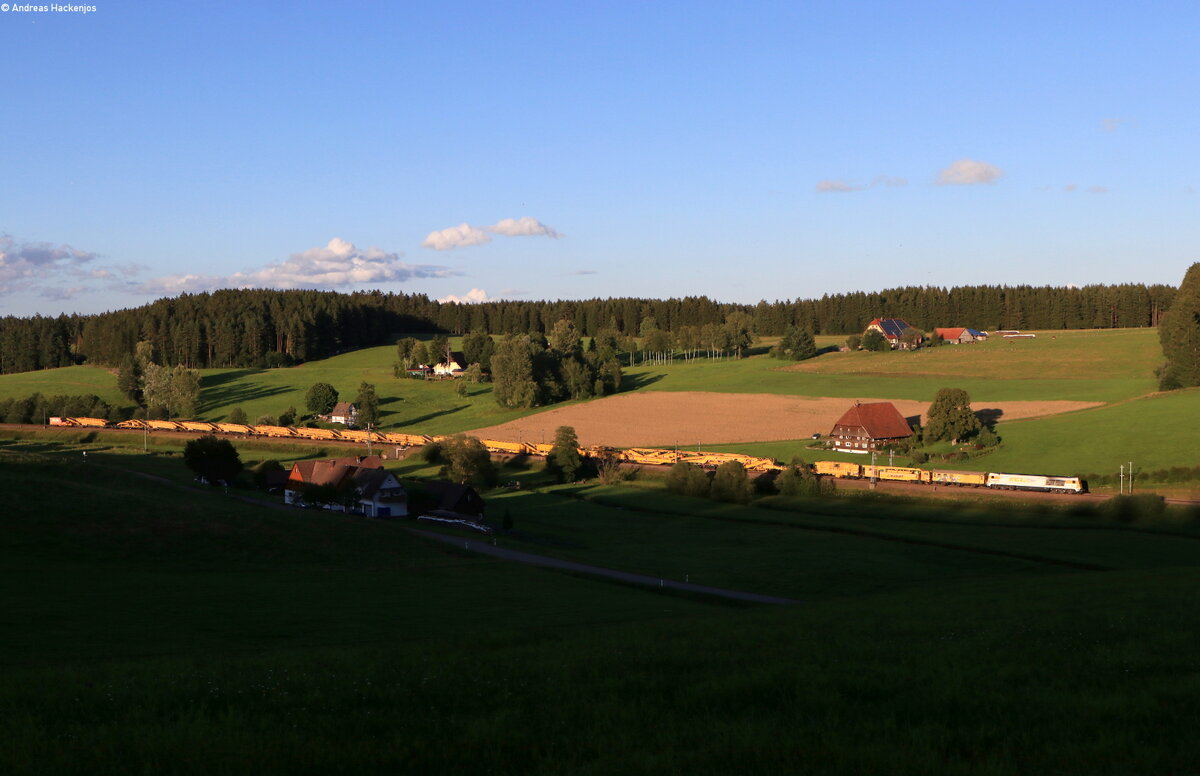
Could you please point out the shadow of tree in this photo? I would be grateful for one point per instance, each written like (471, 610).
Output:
(989, 416)
(431, 415)
(636, 381)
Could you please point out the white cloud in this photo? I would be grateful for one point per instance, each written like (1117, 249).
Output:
(1070, 187)
(465, 235)
(1098, 189)
(966, 172)
(525, 226)
(338, 264)
(1111, 125)
(474, 296)
(834, 187)
(460, 236)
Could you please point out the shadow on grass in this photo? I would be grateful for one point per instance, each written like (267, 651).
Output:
(638, 381)
(431, 415)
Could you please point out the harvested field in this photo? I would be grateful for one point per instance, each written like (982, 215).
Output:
(660, 419)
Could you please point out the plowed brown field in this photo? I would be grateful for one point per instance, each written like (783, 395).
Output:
(661, 418)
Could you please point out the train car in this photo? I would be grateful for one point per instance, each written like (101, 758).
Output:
(360, 435)
(503, 447)
(136, 423)
(839, 469)
(198, 425)
(407, 440)
(964, 479)
(57, 421)
(234, 428)
(317, 433)
(163, 425)
(1035, 482)
(893, 473)
(651, 456)
(86, 422)
(541, 449)
(274, 431)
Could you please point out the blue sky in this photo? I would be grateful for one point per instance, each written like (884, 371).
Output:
(573, 150)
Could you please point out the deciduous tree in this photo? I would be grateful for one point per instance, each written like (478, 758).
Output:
(320, 398)
(213, 459)
(564, 460)
(731, 483)
(950, 417)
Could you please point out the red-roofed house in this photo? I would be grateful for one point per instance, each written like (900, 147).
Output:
(343, 412)
(959, 336)
(867, 427)
(371, 490)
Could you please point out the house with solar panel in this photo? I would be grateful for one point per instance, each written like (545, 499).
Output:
(897, 332)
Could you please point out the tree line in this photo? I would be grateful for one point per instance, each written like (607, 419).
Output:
(265, 328)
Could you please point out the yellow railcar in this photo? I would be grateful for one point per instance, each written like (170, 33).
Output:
(510, 448)
(198, 425)
(317, 433)
(542, 449)
(87, 422)
(163, 425)
(893, 473)
(839, 469)
(234, 428)
(407, 440)
(135, 423)
(970, 479)
(274, 431)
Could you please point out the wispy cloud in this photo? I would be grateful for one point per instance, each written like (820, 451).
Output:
(338, 264)
(584, 272)
(474, 296)
(1070, 187)
(53, 271)
(1111, 125)
(465, 235)
(838, 187)
(1097, 189)
(968, 172)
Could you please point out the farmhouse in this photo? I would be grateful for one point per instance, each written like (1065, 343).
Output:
(450, 366)
(343, 412)
(451, 499)
(960, 336)
(867, 427)
(897, 332)
(362, 485)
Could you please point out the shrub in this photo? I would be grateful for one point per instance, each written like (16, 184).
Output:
(1134, 508)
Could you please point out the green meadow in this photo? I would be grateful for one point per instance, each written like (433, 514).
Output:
(152, 626)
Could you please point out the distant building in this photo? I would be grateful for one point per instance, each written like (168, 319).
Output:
(450, 499)
(343, 412)
(452, 366)
(960, 336)
(867, 427)
(367, 487)
(897, 332)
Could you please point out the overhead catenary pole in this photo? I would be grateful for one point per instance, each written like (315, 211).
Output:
(1122, 484)
(1131, 478)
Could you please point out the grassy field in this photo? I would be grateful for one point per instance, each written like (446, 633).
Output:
(152, 627)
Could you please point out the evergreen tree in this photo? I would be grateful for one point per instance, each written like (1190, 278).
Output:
(367, 404)
(129, 377)
(950, 417)
(478, 348)
(564, 460)
(320, 398)
(1179, 334)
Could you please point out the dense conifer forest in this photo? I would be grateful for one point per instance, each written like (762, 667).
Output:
(257, 327)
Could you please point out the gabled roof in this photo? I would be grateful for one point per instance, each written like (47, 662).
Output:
(342, 409)
(976, 332)
(950, 334)
(332, 471)
(453, 497)
(880, 419)
(893, 328)
(369, 481)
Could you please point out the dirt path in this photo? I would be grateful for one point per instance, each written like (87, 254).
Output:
(691, 418)
(581, 568)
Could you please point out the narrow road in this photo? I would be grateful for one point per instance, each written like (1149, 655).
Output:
(483, 548)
